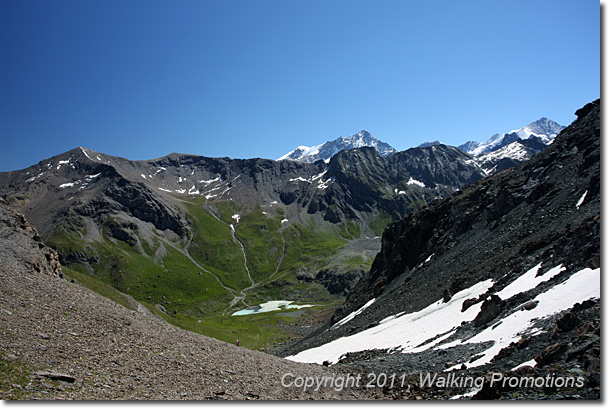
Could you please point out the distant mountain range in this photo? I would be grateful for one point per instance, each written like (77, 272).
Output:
(499, 152)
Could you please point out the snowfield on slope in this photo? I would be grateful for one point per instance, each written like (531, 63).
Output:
(408, 332)
(405, 331)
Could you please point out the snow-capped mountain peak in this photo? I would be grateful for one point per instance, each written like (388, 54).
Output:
(326, 150)
(544, 129)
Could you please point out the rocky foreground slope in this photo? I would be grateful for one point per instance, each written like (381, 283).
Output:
(67, 342)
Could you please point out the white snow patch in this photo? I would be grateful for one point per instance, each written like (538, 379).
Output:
(166, 190)
(531, 363)
(402, 193)
(236, 217)
(460, 396)
(324, 184)
(318, 176)
(160, 170)
(353, 314)
(413, 181)
(581, 200)
(85, 152)
(209, 181)
(273, 202)
(299, 179)
(215, 188)
(143, 176)
(581, 286)
(429, 258)
(181, 191)
(179, 179)
(36, 177)
(60, 163)
(528, 281)
(440, 320)
(264, 213)
(193, 191)
(210, 196)
(69, 184)
(404, 331)
(90, 177)
(284, 220)
(232, 227)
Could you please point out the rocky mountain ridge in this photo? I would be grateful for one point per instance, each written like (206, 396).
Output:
(241, 232)
(499, 152)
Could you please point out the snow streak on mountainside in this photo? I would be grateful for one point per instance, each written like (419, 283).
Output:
(326, 150)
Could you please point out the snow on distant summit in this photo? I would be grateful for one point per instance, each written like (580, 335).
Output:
(544, 130)
(429, 144)
(326, 150)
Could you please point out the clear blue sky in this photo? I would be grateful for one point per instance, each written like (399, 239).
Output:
(256, 78)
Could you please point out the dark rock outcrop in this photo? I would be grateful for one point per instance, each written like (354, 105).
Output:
(490, 309)
(20, 243)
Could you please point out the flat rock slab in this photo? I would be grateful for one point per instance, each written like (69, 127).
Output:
(57, 376)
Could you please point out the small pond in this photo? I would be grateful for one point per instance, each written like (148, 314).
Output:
(270, 306)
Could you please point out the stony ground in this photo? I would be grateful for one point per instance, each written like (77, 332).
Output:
(67, 342)
(53, 326)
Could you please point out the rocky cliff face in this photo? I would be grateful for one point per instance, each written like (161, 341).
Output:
(23, 246)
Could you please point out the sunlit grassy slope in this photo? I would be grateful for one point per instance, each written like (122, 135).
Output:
(193, 282)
